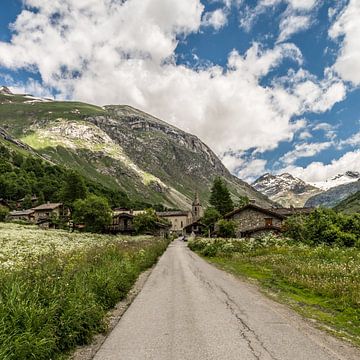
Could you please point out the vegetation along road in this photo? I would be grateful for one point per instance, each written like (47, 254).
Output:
(189, 309)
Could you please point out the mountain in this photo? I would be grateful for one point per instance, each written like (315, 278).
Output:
(285, 189)
(340, 179)
(120, 147)
(334, 195)
(350, 205)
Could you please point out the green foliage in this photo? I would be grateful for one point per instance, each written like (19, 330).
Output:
(324, 226)
(74, 188)
(226, 228)
(210, 218)
(243, 201)
(350, 205)
(59, 302)
(94, 212)
(321, 282)
(220, 197)
(146, 222)
(27, 202)
(4, 212)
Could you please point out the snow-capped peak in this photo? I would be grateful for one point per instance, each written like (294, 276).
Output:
(339, 179)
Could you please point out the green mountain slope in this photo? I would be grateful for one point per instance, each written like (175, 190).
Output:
(350, 205)
(120, 147)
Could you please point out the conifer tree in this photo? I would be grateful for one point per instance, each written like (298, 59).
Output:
(220, 197)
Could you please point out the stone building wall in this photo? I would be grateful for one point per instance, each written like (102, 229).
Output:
(250, 218)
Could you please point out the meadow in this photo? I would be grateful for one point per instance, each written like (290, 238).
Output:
(320, 282)
(56, 287)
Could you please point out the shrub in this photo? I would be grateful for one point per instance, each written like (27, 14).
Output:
(4, 212)
(226, 228)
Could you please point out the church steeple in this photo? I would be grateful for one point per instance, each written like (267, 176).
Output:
(197, 210)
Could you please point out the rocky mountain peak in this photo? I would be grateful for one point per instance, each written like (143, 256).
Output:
(5, 91)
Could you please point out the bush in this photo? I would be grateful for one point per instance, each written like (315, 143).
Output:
(94, 212)
(4, 212)
(324, 226)
(226, 228)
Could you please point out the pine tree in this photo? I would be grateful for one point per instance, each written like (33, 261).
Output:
(73, 189)
(220, 197)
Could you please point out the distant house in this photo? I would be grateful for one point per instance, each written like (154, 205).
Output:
(195, 227)
(254, 221)
(47, 211)
(122, 223)
(23, 215)
(180, 219)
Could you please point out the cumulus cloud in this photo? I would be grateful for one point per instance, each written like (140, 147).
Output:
(318, 171)
(216, 19)
(347, 26)
(103, 51)
(290, 25)
(304, 150)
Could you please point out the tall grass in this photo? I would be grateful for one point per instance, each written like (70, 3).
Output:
(321, 282)
(57, 302)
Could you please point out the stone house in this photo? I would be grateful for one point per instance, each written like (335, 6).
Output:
(48, 210)
(23, 215)
(122, 223)
(254, 221)
(180, 219)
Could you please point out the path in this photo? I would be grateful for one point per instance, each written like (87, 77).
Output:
(189, 310)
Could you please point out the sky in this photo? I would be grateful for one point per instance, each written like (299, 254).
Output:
(269, 85)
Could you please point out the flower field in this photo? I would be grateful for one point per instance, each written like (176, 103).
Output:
(22, 244)
(56, 287)
(322, 282)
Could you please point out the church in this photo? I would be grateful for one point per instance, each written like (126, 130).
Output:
(181, 219)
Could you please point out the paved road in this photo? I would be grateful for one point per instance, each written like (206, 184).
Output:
(189, 310)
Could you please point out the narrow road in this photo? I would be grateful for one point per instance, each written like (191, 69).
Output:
(189, 310)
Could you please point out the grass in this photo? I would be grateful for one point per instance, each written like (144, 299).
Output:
(321, 283)
(57, 297)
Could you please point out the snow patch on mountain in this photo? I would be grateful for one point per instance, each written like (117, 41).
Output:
(340, 179)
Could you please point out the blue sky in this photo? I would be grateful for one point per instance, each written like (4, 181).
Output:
(270, 85)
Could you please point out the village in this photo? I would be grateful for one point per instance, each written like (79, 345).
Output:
(250, 220)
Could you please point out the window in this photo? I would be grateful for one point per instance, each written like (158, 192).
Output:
(182, 224)
(268, 221)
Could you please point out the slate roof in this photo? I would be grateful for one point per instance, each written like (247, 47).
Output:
(48, 206)
(293, 211)
(254, 207)
(172, 213)
(21, 212)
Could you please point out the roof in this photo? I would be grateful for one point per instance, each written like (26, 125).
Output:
(172, 213)
(254, 207)
(48, 206)
(261, 228)
(194, 223)
(292, 211)
(161, 225)
(21, 212)
(123, 215)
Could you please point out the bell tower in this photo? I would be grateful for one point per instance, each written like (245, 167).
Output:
(197, 210)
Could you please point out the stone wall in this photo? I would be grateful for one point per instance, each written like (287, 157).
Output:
(250, 219)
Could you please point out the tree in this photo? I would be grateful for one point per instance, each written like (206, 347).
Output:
(220, 197)
(243, 201)
(226, 228)
(74, 188)
(4, 211)
(211, 216)
(145, 222)
(27, 202)
(94, 212)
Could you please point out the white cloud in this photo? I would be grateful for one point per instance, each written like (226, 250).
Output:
(252, 170)
(318, 171)
(353, 140)
(347, 64)
(103, 52)
(292, 24)
(216, 19)
(304, 150)
(305, 135)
